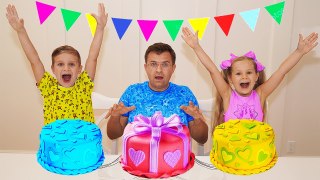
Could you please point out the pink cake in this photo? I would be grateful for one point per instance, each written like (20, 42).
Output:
(156, 147)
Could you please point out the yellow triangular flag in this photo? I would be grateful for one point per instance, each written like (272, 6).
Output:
(199, 24)
(92, 23)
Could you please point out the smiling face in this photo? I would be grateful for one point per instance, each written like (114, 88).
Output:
(66, 68)
(159, 69)
(243, 76)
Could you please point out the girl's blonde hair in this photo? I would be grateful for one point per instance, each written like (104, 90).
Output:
(218, 109)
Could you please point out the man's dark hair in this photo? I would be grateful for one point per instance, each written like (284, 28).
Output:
(160, 48)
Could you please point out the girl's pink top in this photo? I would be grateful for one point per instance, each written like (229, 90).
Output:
(240, 107)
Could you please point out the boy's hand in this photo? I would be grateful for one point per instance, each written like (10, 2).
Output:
(190, 38)
(13, 18)
(307, 44)
(102, 16)
(119, 109)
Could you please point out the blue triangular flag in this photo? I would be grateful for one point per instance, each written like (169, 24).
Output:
(121, 25)
(251, 17)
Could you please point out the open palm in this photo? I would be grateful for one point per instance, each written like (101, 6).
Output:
(13, 18)
(307, 44)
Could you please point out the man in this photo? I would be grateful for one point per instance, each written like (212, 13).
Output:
(158, 94)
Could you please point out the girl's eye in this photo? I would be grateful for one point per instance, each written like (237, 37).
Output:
(249, 72)
(72, 64)
(60, 64)
(237, 73)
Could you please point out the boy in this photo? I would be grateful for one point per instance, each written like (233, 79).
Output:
(68, 96)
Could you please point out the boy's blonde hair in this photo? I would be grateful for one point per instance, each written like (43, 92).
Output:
(65, 49)
(218, 110)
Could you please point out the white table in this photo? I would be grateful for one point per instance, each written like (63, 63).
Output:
(16, 166)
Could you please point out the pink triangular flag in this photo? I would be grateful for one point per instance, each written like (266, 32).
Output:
(147, 27)
(44, 11)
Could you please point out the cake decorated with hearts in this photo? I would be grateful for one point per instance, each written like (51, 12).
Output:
(70, 147)
(156, 147)
(243, 147)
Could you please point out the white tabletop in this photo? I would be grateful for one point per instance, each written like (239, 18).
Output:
(16, 166)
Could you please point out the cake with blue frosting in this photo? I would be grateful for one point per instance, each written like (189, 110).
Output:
(70, 147)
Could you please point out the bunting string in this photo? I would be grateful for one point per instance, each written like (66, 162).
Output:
(172, 26)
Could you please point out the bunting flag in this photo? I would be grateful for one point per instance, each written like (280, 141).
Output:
(121, 25)
(44, 11)
(69, 17)
(276, 11)
(92, 23)
(251, 17)
(147, 27)
(200, 25)
(173, 27)
(225, 22)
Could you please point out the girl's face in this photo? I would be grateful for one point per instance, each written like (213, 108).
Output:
(66, 68)
(243, 76)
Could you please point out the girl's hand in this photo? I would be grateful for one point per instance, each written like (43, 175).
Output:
(190, 38)
(307, 44)
(12, 15)
(102, 16)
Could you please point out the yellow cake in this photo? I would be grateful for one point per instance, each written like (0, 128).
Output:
(243, 147)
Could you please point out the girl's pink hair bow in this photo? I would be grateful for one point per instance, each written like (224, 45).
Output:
(227, 63)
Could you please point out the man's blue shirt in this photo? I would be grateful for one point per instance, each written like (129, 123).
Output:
(147, 101)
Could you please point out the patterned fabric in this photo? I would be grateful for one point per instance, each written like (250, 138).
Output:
(147, 101)
(66, 103)
(244, 107)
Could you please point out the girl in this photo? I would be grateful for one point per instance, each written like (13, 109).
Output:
(241, 87)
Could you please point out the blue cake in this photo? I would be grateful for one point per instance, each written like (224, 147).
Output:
(70, 147)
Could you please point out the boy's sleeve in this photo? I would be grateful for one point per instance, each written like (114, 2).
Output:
(86, 82)
(46, 83)
(125, 98)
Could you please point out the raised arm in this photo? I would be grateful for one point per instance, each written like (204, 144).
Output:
(91, 62)
(192, 40)
(18, 25)
(304, 46)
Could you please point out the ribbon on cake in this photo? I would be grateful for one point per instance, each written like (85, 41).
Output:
(156, 125)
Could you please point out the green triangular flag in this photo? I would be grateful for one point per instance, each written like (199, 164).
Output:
(173, 27)
(69, 17)
(276, 11)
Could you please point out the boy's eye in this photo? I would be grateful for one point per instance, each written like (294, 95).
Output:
(60, 64)
(72, 64)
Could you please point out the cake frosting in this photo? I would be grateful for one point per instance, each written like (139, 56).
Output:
(70, 147)
(156, 147)
(243, 147)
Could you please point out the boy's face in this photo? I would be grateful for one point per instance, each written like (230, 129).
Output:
(66, 68)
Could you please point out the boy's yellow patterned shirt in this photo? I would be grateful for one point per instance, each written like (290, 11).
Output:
(67, 103)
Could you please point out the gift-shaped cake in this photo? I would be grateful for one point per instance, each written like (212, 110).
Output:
(156, 146)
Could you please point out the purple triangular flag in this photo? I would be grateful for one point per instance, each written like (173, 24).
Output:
(44, 11)
(147, 27)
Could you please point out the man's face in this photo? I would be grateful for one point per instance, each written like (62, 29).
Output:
(159, 69)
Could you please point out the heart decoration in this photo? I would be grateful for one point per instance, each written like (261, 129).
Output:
(262, 156)
(172, 158)
(244, 153)
(227, 157)
(249, 125)
(136, 157)
(253, 136)
(53, 156)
